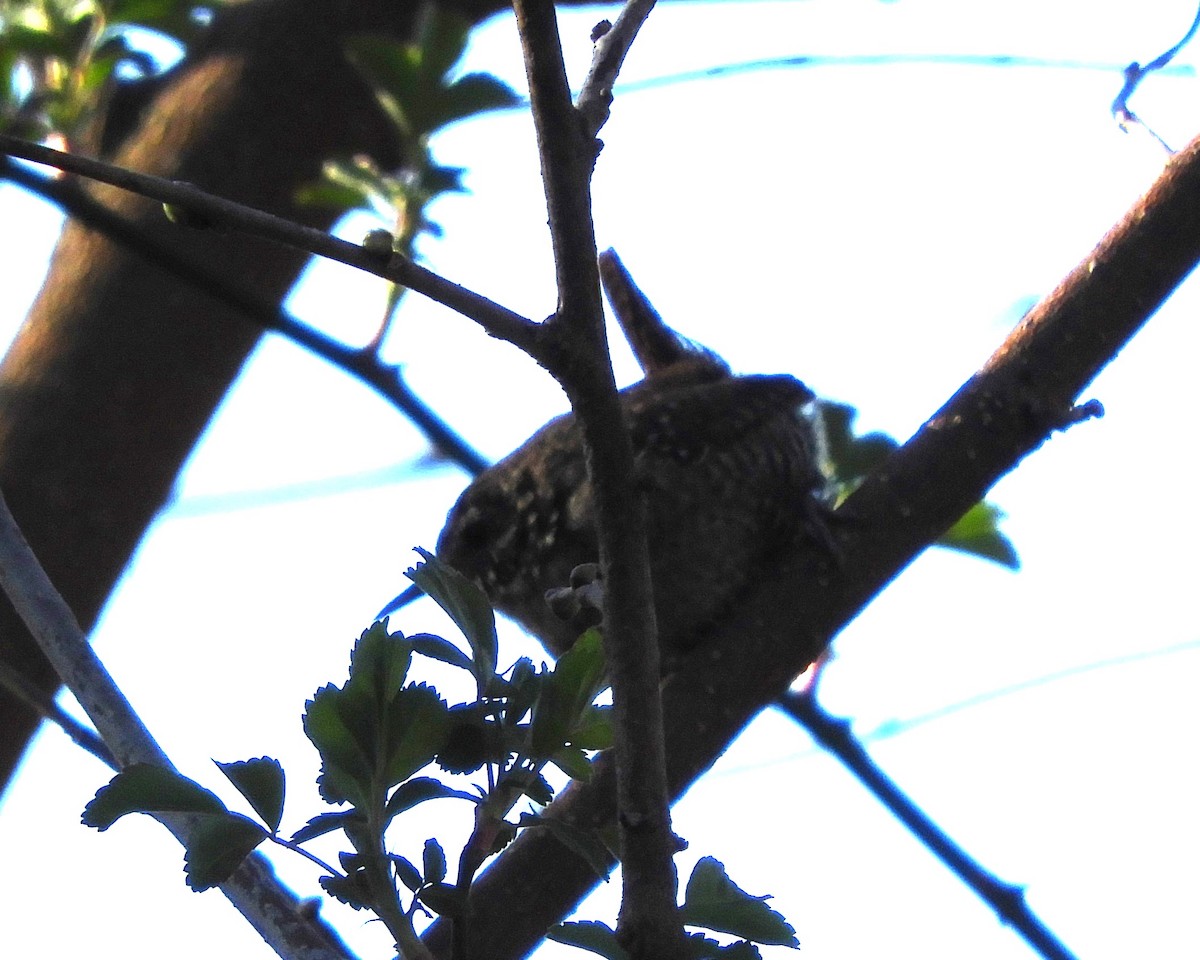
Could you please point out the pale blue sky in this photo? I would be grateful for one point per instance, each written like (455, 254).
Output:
(874, 230)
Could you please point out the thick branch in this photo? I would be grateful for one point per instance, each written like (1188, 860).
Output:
(1022, 394)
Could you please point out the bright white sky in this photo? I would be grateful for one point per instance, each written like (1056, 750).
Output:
(875, 230)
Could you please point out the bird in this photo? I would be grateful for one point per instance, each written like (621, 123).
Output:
(729, 466)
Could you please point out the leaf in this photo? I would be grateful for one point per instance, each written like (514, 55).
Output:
(575, 681)
(715, 902)
(146, 788)
(472, 94)
(354, 890)
(591, 935)
(977, 533)
(418, 790)
(217, 846)
(409, 875)
(365, 730)
(261, 781)
(441, 649)
(466, 605)
(325, 823)
(434, 862)
(573, 762)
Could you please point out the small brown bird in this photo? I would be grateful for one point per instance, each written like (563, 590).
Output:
(728, 465)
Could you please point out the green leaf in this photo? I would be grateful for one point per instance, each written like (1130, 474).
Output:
(977, 533)
(362, 730)
(441, 41)
(354, 889)
(145, 788)
(594, 731)
(433, 860)
(473, 94)
(262, 783)
(715, 902)
(466, 605)
(419, 721)
(418, 790)
(591, 935)
(473, 738)
(325, 823)
(441, 649)
(570, 688)
(217, 846)
(573, 762)
(850, 457)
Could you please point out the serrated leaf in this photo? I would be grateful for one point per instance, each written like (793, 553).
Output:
(146, 788)
(590, 935)
(419, 721)
(354, 890)
(977, 532)
(715, 902)
(466, 605)
(418, 790)
(359, 728)
(433, 859)
(217, 846)
(261, 781)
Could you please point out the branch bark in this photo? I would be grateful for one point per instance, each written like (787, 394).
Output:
(1023, 393)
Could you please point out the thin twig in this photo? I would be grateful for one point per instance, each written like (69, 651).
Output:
(365, 365)
(43, 703)
(217, 212)
(269, 907)
(595, 99)
(1008, 900)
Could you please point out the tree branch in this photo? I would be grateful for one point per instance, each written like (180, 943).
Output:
(999, 416)
(218, 213)
(577, 355)
(269, 907)
(365, 365)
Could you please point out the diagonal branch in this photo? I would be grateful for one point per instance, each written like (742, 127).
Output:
(269, 907)
(365, 365)
(199, 207)
(1007, 410)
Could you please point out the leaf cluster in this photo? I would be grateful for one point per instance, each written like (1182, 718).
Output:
(60, 59)
(377, 735)
(711, 902)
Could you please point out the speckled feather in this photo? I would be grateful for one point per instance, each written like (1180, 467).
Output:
(728, 468)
